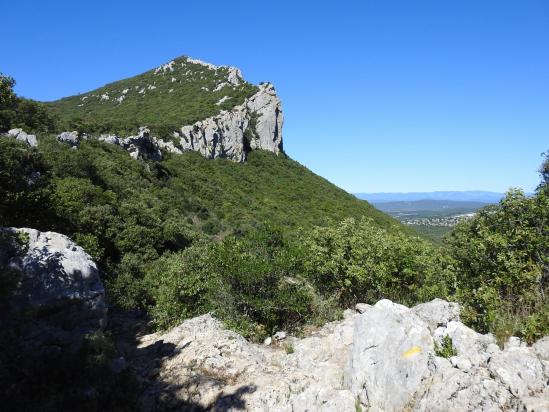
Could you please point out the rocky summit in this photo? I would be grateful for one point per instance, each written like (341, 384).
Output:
(187, 105)
(385, 357)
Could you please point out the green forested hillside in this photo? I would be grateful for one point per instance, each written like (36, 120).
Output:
(164, 99)
(127, 213)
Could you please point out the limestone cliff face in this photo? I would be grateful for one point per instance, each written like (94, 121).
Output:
(255, 124)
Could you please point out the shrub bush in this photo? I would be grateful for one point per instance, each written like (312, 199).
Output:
(357, 261)
(502, 258)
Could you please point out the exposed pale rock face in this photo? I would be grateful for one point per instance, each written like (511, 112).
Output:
(381, 358)
(142, 146)
(266, 107)
(437, 313)
(60, 284)
(71, 138)
(22, 136)
(255, 124)
(401, 346)
(215, 367)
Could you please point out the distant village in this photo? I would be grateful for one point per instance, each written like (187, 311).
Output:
(449, 221)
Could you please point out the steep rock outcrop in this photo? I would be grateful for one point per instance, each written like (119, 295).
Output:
(58, 283)
(255, 124)
(382, 357)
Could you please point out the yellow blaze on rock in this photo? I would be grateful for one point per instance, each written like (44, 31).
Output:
(411, 352)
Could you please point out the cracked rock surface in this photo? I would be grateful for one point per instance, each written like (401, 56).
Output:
(379, 358)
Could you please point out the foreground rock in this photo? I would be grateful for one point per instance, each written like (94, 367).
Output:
(57, 283)
(383, 358)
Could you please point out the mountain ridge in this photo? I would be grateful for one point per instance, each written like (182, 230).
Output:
(187, 105)
(466, 195)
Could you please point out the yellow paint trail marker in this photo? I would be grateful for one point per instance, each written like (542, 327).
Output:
(411, 352)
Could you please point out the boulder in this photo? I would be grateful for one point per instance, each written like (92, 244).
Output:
(20, 135)
(58, 284)
(214, 368)
(110, 139)
(362, 307)
(437, 313)
(141, 146)
(70, 138)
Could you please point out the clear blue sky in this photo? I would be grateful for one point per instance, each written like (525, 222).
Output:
(378, 95)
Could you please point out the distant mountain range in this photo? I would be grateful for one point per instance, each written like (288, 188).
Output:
(441, 206)
(464, 196)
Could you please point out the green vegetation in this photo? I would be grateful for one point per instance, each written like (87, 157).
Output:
(255, 283)
(264, 281)
(289, 348)
(446, 348)
(358, 261)
(164, 101)
(266, 245)
(23, 184)
(433, 233)
(502, 258)
(17, 112)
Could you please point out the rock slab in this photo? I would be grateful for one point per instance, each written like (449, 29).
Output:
(379, 358)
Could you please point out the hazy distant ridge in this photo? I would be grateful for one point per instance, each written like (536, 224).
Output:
(464, 196)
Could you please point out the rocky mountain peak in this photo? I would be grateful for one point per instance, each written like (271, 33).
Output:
(188, 105)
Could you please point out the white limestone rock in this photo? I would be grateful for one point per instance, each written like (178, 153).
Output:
(437, 312)
(519, 369)
(22, 136)
(383, 358)
(71, 138)
(362, 307)
(218, 369)
(141, 146)
(257, 124)
(110, 139)
(389, 359)
(541, 348)
(60, 285)
(475, 347)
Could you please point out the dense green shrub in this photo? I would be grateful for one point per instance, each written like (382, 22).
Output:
(254, 283)
(502, 259)
(358, 261)
(24, 185)
(23, 113)
(129, 213)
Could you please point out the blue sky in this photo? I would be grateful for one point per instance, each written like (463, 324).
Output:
(378, 95)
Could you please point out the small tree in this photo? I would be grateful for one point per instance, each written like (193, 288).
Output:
(7, 100)
(544, 174)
